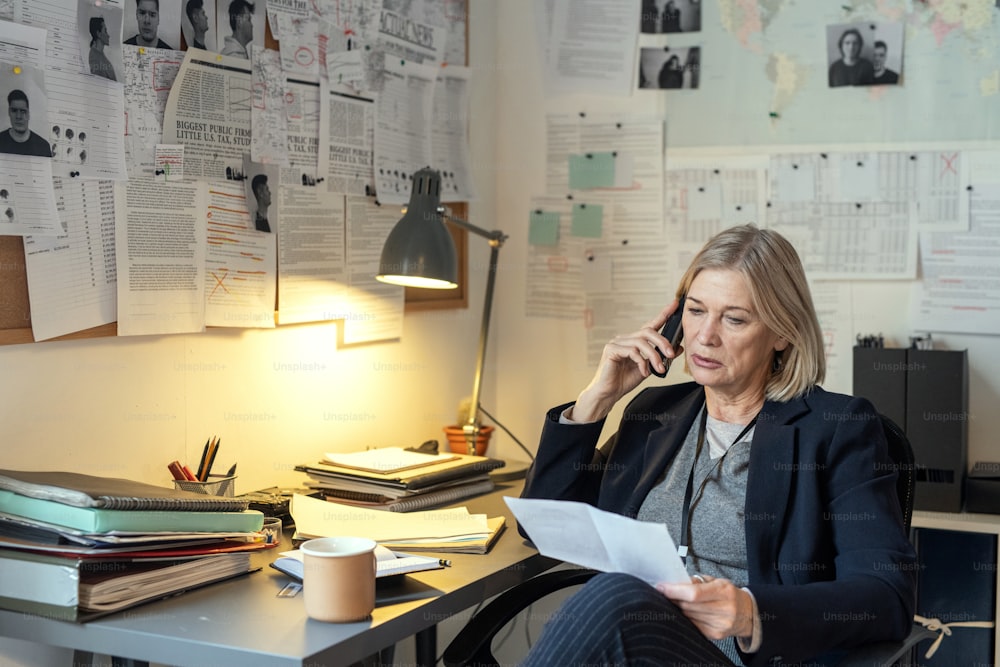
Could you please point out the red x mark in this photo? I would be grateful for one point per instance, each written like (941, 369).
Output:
(949, 164)
(218, 282)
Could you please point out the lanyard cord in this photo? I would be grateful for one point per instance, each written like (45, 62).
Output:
(682, 550)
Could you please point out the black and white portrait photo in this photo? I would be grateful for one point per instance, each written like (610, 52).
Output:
(152, 24)
(864, 54)
(261, 183)
(198, 29)
(25, 105)
(668, 68)
(240, 24)
(100, 29)
(667, 16)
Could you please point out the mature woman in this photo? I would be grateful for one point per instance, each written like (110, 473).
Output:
(851, 69)
(781, 491)
(99, 38)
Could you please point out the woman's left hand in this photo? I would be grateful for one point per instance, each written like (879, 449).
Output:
(716, 606)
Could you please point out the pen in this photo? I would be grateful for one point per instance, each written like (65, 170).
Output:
(188, 474)
(213, 450)
(444, 562)
(204, 458)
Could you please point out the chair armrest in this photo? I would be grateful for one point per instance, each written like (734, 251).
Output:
(472, 645)
(886, 654)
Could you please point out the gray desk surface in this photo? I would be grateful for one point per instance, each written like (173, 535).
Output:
(242, 623)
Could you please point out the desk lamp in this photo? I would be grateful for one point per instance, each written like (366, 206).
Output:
(419, 252)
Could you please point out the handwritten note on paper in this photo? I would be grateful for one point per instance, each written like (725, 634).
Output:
(584, 535)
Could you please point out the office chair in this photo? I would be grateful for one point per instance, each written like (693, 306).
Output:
(472, 647)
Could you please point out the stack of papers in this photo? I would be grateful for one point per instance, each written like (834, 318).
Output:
(452, 530)
(399, 480)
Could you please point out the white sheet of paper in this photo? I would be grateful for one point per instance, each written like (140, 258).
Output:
(320, 518)
(386, 459)
(584, 535)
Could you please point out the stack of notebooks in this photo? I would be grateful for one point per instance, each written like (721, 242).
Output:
(76, 546)
(400, 480)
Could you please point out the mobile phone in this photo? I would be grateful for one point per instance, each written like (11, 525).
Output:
(673, 332)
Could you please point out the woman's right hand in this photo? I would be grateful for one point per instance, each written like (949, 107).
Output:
(625, 362)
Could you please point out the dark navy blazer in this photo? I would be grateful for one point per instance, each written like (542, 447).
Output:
(828, 560)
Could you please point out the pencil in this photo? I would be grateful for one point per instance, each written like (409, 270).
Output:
(204, 458)
(211, 457)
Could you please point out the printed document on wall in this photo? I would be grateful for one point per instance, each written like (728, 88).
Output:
(703, 196)
(347, 133)
(269, 124)
(402, 128)
(27, 205)
(960, 290)
(312, 269)
(636, 206)
(149, 74)
(160, 253)
(302, 113)
(414, 31)
(84, 115)
(72, 278)
(450, 140)
(241, 271)
(208, 111)
(373, 310)
(591, 47)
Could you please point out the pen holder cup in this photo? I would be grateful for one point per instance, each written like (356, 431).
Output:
(220, 486)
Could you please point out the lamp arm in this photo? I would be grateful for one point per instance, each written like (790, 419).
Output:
(496, 239)
(494, 236)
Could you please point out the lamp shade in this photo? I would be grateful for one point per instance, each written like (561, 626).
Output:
(419, 251)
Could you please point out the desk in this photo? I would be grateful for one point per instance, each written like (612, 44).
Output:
(242, 623)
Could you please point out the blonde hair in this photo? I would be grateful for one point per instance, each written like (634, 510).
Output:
(780, 296)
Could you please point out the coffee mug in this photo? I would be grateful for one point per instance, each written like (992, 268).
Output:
(338, 578)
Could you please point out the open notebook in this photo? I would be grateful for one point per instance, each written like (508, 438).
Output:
(389, 563)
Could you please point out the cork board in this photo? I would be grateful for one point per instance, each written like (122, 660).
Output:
(15, 311)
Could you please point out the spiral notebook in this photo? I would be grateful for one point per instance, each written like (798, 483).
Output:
(113, 493)
(416, 501)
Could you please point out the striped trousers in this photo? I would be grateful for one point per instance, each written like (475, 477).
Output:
(617, 619)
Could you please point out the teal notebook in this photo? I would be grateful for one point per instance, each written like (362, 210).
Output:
(94, 520)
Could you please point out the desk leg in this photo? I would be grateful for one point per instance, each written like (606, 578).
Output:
(426, 649)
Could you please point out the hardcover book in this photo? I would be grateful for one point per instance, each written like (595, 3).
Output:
(80, 589)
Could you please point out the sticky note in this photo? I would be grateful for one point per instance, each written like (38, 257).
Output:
(588, 221)
(543, 228)
(591, 170)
